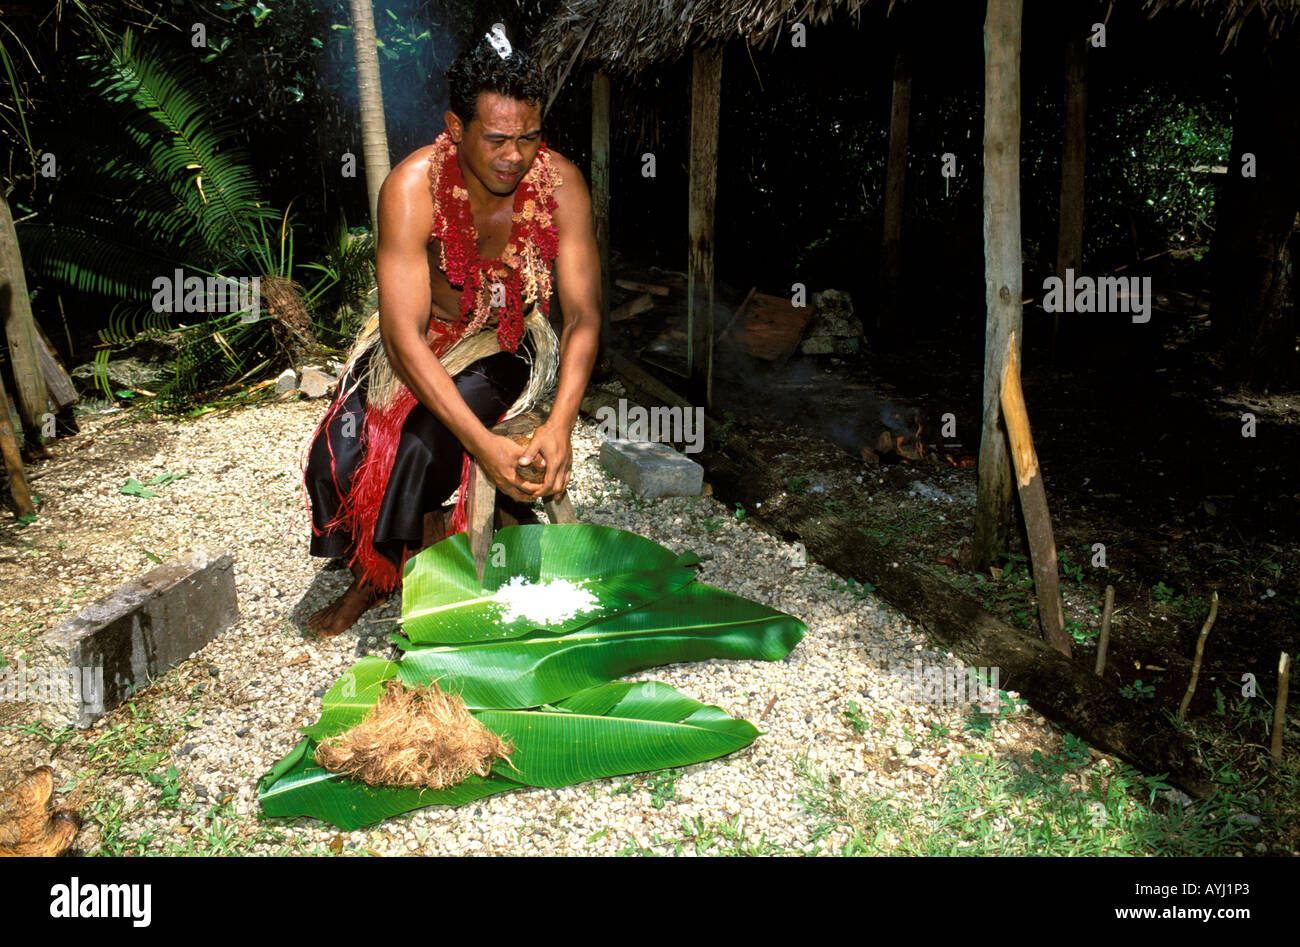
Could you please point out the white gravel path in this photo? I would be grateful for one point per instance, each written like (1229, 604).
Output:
(252, 688)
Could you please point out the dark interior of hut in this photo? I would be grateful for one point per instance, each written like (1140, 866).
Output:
(1137, 430)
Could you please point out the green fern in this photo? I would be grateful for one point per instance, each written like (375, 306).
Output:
(158, 187)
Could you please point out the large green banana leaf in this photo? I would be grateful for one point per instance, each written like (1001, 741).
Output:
(444, 604)
(352, 697)
(298, 785)
(694, 623)
(608, 730)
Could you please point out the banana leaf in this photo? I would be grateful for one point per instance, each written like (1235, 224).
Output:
(352, 697)
(298, 785)
(608, 730)
(695, 623)
(443, 602)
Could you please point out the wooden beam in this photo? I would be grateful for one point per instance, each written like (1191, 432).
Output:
(895, 180)
(600, 96)
(1033, 505)
(1069, 237)
(20, 328)
(1002, 270)
(706, 94)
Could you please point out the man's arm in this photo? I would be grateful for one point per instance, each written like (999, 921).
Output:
(577, 271)
(401, 264)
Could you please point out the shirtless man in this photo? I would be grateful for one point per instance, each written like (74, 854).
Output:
(494, 123)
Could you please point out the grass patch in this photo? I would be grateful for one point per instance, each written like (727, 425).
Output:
(986, 807)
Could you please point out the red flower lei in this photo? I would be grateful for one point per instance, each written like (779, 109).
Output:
(523, 271)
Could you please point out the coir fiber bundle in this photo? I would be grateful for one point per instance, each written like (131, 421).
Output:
(29, 825)
(417, 737)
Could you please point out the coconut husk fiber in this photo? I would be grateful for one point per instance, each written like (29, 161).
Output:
(29, 825)
(415, 737)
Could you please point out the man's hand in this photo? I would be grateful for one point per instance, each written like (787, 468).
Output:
(553, 452)
(501, 459)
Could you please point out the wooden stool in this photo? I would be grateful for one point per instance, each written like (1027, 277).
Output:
(484, 514)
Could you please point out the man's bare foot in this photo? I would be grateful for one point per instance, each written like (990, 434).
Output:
(343, 612)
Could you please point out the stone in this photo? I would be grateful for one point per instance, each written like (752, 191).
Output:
(147, 626)
(286, 382)
(833, 329)
(652, 469)
(315, 383)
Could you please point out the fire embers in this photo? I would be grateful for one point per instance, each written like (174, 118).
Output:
(906, 440)
(29, 825)
(900, 441)
(419, 737)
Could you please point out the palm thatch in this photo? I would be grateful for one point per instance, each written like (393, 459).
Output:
(624, 37)
(1275, 17)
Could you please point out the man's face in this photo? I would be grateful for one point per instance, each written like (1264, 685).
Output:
(499, 145)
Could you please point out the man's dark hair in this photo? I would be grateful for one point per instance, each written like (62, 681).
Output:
(481, 69)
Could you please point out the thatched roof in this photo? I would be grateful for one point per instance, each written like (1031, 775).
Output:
(623, 37)
(1231, 16)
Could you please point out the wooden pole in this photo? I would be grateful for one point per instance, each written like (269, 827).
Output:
(1279, 707)
(13, 460)
(20, 328)
(706, 95)
(1033, 504)
(1200, 656)
(374, 136)
(600, 96)
(1104, 641)
(895, 181)
(1002, 269)
(1069, 238)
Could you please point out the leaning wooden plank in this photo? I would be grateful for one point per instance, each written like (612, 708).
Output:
(1033, 504)
(62, 391)
(632, 308)
(13, 460)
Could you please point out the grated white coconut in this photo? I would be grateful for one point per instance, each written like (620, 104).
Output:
(543, 603)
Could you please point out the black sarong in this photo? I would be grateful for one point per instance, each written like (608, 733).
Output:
(426, 470)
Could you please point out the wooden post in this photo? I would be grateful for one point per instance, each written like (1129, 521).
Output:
(706, 94)
(1033, 504)
(1069, 235)
(20, 329)
(13, 460)
(600, 192)
(1002, 269)
(895, 180)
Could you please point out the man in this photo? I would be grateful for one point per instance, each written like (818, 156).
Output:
(469, 228)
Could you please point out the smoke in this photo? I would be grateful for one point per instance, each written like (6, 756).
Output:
(420, 40)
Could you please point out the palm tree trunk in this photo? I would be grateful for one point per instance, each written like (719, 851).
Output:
(374, 139)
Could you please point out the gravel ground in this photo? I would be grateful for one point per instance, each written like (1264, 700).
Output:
(253, 687)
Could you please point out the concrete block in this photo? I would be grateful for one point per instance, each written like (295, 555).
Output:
(652, 469)
(146, 627)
